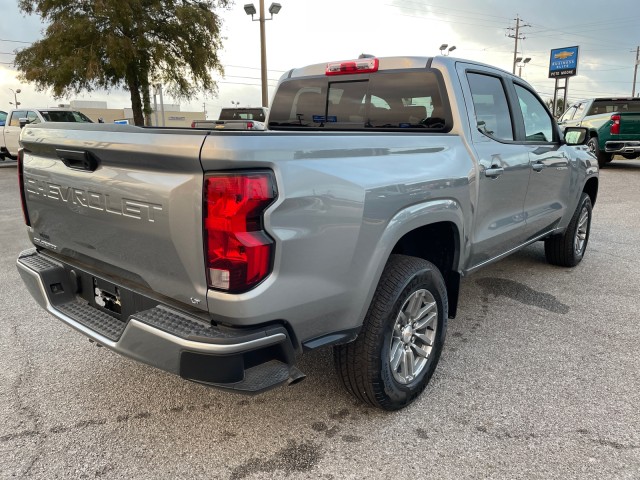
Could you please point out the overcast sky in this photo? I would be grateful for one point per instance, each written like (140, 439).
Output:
(313, 31)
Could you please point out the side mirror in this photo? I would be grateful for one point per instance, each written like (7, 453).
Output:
(576, 135)
(23, 121)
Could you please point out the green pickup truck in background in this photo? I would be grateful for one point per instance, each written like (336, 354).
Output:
(613, 123)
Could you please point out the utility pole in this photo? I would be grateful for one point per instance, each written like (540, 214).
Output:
(517, 36)
(635, 71)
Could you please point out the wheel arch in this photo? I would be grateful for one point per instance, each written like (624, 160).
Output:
(403, 232)
(591, 189)
(438, 243)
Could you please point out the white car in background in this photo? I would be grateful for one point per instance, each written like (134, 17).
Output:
(17, 118)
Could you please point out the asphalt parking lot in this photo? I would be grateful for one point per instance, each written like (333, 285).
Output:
(539, 378)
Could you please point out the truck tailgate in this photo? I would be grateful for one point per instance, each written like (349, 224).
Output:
(630, 126)
(124, 201)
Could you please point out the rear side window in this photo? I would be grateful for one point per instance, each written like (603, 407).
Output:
(491, 107)
(385, 100)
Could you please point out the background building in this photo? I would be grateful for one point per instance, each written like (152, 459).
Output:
(173, 117)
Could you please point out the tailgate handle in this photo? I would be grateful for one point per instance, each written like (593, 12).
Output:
(78, 159)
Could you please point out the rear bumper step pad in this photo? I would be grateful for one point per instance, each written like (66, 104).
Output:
(245, 361)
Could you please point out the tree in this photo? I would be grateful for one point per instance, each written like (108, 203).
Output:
(559, 106)
(91, 44)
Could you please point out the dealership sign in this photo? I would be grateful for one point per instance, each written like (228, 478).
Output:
(563, 62)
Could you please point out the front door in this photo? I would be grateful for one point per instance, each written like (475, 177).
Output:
(12, 131)
(548, 193)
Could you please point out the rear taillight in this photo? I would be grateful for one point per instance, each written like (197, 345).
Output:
(23, 198)
(249, 125)
(193, 124)
(238, 251)
(361, 65)
(615, 124)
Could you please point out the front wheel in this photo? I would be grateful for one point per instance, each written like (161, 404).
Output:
(567, 250)
(395, 355)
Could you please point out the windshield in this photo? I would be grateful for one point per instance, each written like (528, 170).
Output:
(407, 100)
(64, 116)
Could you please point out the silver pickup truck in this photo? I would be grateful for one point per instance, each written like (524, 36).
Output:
(222, 256)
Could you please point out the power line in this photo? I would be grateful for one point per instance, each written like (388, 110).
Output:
(13, 41)
(474, 13)
(517, 36)
(254, 68)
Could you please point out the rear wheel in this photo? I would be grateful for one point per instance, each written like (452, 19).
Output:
(395, 355)
(567, 250)
(603, 157)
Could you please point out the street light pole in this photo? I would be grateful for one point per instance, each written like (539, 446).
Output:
(263, 57)
(251, 10)
(520, 65)
(16, 103)
(635, 71)
(446, 52)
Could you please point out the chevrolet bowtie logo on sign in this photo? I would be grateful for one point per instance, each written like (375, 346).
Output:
(564, 55)
(563, 62)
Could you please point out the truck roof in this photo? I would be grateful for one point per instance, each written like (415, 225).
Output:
(48, 109)
(609, 99)
(386, 63)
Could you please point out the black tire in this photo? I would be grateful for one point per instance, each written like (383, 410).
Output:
(603, 158)
(364, 366)
(567, 250)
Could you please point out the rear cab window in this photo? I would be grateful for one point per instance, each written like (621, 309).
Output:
(410, 101)
(242, 114)
(614, 106)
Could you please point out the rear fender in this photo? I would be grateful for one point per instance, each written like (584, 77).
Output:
(404, 222)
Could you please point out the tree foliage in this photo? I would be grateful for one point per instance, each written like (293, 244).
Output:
(90, 44)
(559, 106)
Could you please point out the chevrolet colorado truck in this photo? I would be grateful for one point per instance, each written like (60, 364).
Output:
(223, 256)
(613, 123)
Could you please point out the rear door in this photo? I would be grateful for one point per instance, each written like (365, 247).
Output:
(503, 165)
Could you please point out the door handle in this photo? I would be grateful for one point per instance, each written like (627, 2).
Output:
(78, 159)
(538, 166)
(493, 172)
